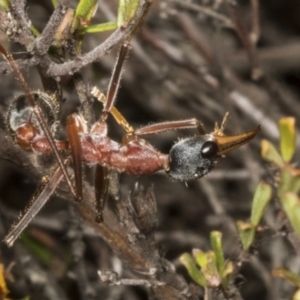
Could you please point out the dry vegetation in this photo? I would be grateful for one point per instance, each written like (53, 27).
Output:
(190, 59)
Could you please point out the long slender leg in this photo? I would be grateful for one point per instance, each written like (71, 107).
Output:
(35, 205)
(75, 126)
(172, 125)
(115, 81)
(101, 191)
(39, 115)
(150, 129)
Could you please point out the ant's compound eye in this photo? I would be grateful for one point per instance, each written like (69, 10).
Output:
(209, 149)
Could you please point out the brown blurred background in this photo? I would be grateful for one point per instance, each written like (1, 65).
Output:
(191, 59)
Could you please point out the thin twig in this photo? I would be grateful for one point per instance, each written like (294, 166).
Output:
(44, 41)
(206, 11)
(255, 32)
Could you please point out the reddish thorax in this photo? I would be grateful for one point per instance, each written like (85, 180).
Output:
(136, 157)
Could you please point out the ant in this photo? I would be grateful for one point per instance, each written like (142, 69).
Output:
(189, 158)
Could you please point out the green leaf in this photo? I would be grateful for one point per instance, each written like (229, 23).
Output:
(269, 153)
(85, 10)
(291, 206)
(211, 272)
(126, 11)
(228, 270)
(246, 232)
(100, 27)
(207, 262)
(287, 275)
(261, 198)
(289, 180)
(187, 260)
(200, 258)
(216, 242)
(287, 138)
(211, 268)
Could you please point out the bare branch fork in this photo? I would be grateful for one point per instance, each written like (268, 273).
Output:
(39, 47)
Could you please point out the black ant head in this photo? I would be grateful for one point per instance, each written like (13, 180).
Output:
(192, 158)
(195, 157)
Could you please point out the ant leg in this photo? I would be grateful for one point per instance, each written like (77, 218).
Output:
(155, 128)
(101, 178)
(38, 114)
(115, 81)
(75, 126)
(172, 125)
(100, 127)
(35, 205)
(114, 111)
(101, 191)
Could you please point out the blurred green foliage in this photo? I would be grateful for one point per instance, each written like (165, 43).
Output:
(209, 269)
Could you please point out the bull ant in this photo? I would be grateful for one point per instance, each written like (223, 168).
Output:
(189, 158)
